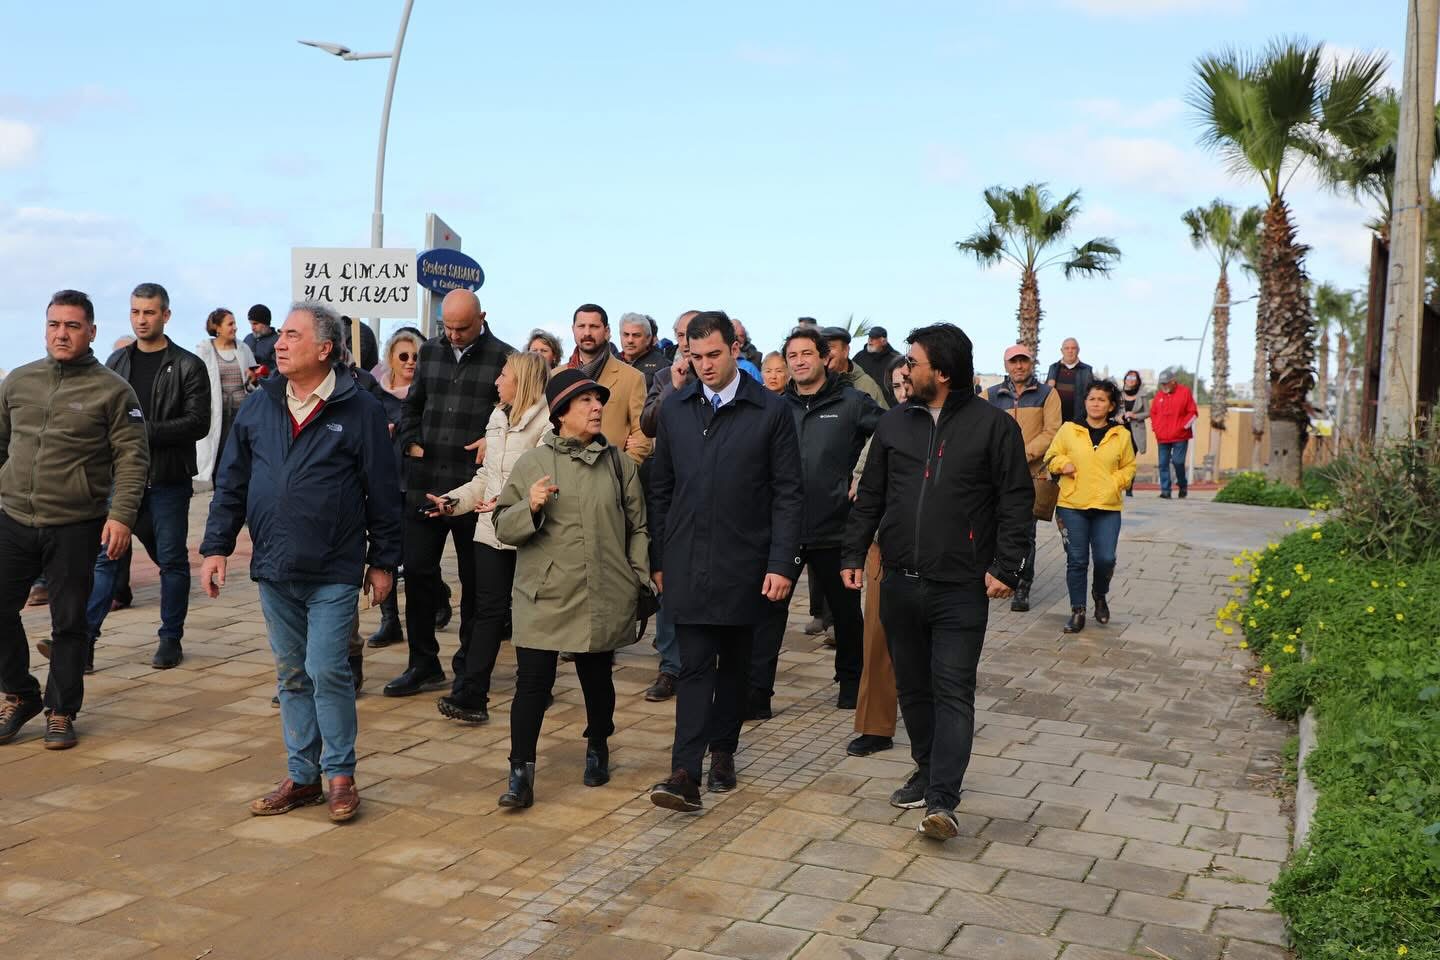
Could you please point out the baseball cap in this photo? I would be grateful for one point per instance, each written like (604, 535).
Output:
(1018, 350)
(875, 333)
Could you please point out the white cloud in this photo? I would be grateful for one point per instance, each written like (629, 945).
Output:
(1150, 165)
(226, 209)
(1139, 116)
(1152, 8)
(18, 143)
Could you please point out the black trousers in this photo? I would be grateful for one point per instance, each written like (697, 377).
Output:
(494, 577)
(424, 592)
(532, 689)
(711, 691)
(844, 607)
(935, 632)
(65, 555)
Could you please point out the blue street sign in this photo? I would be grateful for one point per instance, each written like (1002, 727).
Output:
(442, 270)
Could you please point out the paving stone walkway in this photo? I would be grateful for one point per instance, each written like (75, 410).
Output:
(1120, 803)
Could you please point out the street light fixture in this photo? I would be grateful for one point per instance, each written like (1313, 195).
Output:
(377, 216)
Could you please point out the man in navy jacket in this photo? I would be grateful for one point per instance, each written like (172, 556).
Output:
(727, 503)
(310, 468)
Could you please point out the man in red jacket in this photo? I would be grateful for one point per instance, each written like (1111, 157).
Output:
(1171, 416)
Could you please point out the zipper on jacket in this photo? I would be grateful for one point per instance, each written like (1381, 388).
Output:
(44, 431)
(924, 482)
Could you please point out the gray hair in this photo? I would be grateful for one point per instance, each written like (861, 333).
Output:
(640, 320)
(327, 326)
(152, 291)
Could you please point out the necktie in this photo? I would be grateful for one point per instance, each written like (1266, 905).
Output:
(716, 401)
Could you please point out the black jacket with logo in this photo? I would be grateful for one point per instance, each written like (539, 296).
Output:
(952, 499)
(833, 426)
(179, 411)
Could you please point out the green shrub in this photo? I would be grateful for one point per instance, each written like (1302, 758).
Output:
(1389, 500)
(1355, 637)
(1251, 487)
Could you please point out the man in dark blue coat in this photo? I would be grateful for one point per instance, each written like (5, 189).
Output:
(727, 504)
(310, 468)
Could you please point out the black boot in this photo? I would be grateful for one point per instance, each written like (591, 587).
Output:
(597, 764)
(390, 630)
(1076, 623)
(1102, 609)
(357, 671)
(521, 790)
(1020, 603)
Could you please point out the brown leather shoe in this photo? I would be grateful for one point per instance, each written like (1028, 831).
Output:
(344, 799)
(287, 797)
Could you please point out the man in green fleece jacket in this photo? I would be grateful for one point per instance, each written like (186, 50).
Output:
(73, 462)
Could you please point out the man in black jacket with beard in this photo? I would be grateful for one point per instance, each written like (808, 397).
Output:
(947, 487)
(833, 422)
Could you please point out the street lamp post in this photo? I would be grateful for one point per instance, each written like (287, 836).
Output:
(377, 215)
(1199, 353)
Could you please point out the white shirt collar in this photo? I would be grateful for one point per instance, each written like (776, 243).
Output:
(726, 393)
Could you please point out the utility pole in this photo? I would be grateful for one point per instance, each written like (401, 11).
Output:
(1405, 284)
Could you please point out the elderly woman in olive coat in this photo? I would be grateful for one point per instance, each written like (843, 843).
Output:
(575, 510)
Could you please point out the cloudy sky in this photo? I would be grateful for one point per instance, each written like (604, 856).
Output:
(769, 159)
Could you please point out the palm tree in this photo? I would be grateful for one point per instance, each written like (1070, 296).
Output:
(1363, 164)
(1024, 225)
(1218, 229)
(1267, 115)
(1349, 320)
(1331, 304)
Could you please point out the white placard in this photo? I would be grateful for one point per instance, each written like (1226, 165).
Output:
(357, 281)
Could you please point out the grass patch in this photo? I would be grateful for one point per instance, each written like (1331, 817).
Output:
(1317, 488)
(1355, 637)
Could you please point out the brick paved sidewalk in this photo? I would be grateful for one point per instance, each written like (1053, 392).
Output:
(1120, 803)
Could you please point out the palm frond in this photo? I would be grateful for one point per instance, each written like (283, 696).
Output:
(985, 245)
(1093, 258)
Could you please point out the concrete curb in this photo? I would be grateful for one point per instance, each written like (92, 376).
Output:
(1305, 793)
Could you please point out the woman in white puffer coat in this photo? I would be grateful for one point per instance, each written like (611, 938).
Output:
(515, 427)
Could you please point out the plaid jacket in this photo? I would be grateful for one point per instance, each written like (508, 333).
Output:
(448, 406)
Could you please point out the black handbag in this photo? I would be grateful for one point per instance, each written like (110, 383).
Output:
(648, 602)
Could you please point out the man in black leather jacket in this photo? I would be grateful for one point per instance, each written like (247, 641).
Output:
(174, 392)
(947, 487)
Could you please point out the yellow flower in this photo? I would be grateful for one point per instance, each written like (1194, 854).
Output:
(1244, 645)
(1374, 584)
(1315, 535)
(1265, 669)
(1269, 588)
(1299, 568)
(1399, 616)
(1253, 624)
(1284, 594)
(1399, 583)
(1401, 950)
(1330, 580)
(1229, 631)
(1254, 682)
(1306, 578)
(1369, 609)
(1288, 648)
(1321, 625)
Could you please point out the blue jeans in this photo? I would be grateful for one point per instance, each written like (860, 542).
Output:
(1173, 454)
(665, 642)
(1092, 533)
(310, 625)
(163, 525)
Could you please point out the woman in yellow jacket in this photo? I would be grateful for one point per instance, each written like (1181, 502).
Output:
(1095, 462)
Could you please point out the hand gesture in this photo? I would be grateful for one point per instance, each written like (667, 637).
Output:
(1068, 470)
(487, 506)
(440, 506)
(853, 578)
(540, 491)
(212, 575)
(996, 590)
(775, 587)
(115, 538)
(679, 371)
(479, 447)
(415, 451)
(378, 584)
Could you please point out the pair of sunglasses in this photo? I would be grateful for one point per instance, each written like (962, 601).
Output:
(405, 357)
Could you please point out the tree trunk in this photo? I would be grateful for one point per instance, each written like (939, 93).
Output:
(1322, 371)
(1220, 355)
(1342, 387)
(1029, 312)
(1290, 331)
(1259, 387)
